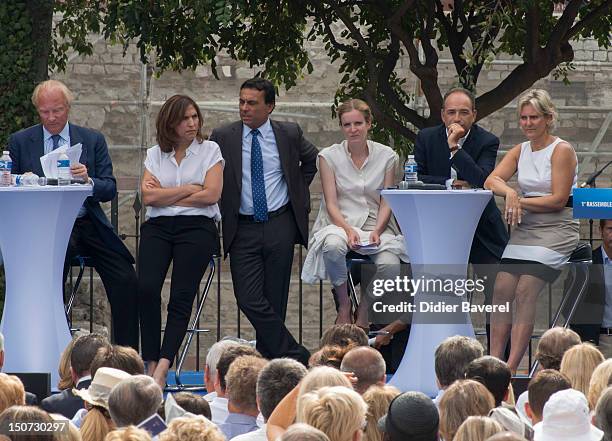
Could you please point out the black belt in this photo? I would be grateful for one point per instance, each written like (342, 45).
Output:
(250, 217)
(606, 331)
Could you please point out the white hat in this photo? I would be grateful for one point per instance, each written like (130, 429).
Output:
(566, 417)
(98, 391)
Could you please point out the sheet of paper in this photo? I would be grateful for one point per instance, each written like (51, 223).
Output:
(49, 161)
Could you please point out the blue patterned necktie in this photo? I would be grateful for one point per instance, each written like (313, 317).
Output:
(258, 188)
(56, 140)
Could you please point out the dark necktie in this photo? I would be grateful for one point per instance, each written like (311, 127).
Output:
(258, 188)
(56, 140)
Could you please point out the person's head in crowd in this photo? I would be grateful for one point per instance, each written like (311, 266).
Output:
(459, 107)
(195, 428)
(193, 403)
(566, 418)
(578, 364)
(130, 433)
(257, 100)
(377, 398)
(241, 380)
(322, 376)
(97, 423)
(506, 436)
(452, 357)
(601, 378)
(337, 411)
(477, 428)
(329, 355)
(541, 387)
(65, 373)
(412, 416)
(553, 344)
(69, 433)
(17, 415)
(212, 358)
(227, 358)
(493, 373)
(133, 400)
(303, 432)
(277, 379)
(344, 335)
(367, 364)
(603, 414)
(605, 228)
(84, 350)
(123, 358)
(52, 100)
(12, 391)
(462, 399)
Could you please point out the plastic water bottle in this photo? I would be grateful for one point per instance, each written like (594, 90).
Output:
(410, 170)
(63, 170)
(27, 180)
(6, 165)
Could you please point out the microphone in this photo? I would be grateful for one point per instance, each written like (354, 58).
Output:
(589, 182)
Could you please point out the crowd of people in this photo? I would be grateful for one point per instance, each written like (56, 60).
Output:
(107, 397)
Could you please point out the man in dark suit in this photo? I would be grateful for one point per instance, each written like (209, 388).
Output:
(593, 318)
(92, 234)
(264, 205)
(84, 350)
(460, 154)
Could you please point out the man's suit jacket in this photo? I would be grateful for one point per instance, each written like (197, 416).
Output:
(66, 402)
(589, 315)
(26, 148)
(298, 161)
(473, 163)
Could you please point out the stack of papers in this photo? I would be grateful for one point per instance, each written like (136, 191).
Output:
(49, 161)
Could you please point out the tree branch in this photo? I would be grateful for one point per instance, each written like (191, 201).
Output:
(559, 32)
(590, 18)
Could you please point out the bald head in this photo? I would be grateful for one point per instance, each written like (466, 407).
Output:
(368, 366)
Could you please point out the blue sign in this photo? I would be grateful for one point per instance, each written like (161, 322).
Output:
(592, 203)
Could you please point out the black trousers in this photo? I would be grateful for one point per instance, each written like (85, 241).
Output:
(261, 257)
(118, 277)
(188, 242)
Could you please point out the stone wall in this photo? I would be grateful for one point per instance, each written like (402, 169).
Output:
(108, 98)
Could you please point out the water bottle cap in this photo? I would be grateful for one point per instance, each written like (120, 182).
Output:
(410, 156)
(5, 152)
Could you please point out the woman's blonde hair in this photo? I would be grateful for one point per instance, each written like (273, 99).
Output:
(195, 428)
(129, 433)
(15, 415)
(552, 346)
(11, 391)
(477, 428)
(65, 375)
(578, 364)
(96, 424)
(354, 104)
(321, 376)
(600, 379)
(542, 103)
(377, 399)
(336, 411)
(462, 399)
(70, 433)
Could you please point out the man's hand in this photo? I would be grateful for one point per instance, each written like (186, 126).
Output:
(79, 171)
(455, 133)
(458, 184)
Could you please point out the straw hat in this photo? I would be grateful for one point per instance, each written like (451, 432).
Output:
(98, 391)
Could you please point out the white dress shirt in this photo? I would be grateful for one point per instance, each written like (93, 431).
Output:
(277, 194)
(199, 158)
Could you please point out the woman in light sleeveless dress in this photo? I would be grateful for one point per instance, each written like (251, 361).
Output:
(545, 233)
(352, 212)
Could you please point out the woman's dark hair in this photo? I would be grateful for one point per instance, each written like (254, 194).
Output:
(170, 115)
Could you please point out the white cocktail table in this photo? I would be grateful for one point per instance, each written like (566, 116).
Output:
(438, 226)
(35, 227)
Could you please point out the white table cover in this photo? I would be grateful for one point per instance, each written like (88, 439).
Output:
(438, 226)
(35, 226)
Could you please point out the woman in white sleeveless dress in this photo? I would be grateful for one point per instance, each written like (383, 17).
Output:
(352, 212)
(544, 233)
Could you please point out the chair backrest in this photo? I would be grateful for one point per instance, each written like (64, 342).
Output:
(38, 383)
